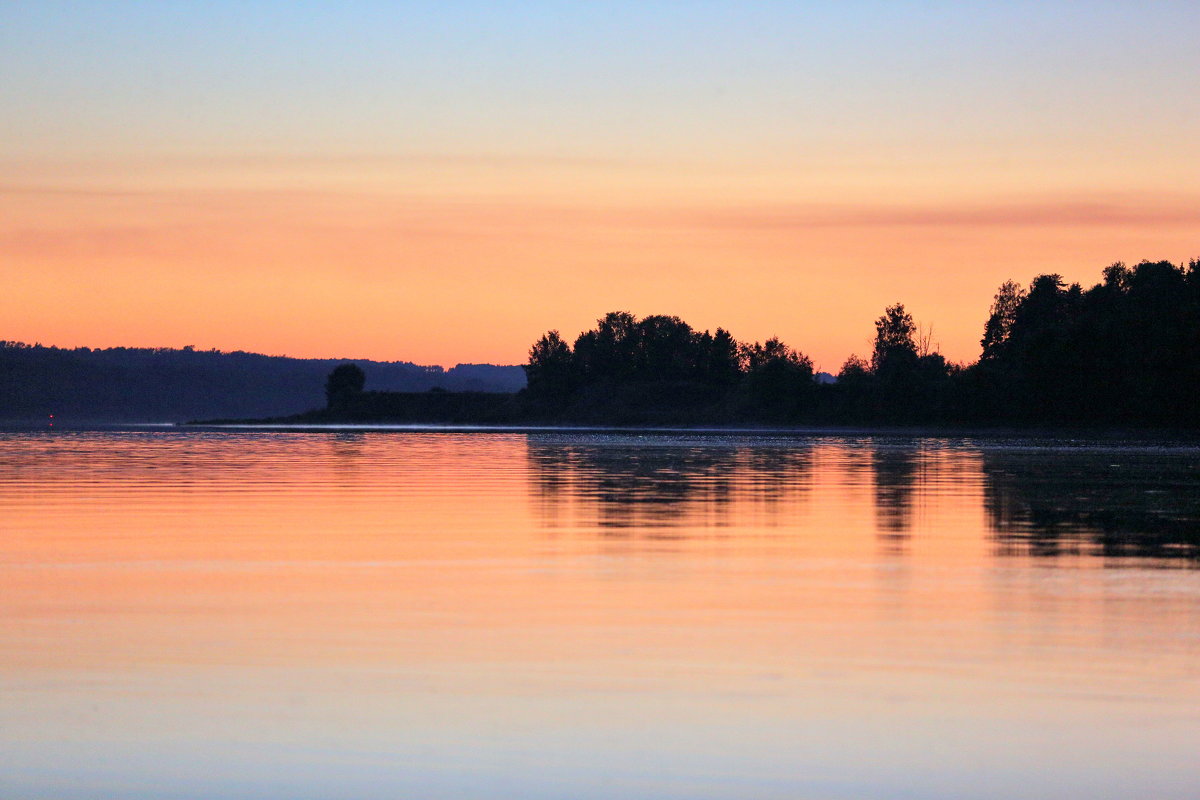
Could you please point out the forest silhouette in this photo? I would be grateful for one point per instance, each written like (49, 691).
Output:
(1124, 352)
(124, 384)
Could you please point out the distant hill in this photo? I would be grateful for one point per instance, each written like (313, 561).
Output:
(122, 384)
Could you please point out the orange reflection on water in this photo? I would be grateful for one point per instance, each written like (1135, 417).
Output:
(756, 616)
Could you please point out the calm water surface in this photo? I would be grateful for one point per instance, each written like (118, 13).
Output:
(429, 615)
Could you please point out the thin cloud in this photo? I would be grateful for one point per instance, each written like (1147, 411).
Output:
(1001, 214)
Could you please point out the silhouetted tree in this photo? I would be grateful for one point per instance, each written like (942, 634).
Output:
(894, 365)
(344, 383)
(1000, 321)
(1043, 367)
(910, 381)
(723, 363)
(854, 369)
(549, 369)
(779, 380)
(607, 353)
(666, 349)
(895, 347)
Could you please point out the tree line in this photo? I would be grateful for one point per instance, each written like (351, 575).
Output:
(139, 384)
(1125, 351)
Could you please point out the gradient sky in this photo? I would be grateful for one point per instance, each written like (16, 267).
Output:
(442, 182)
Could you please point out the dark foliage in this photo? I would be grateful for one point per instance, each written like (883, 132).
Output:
(660, 370)
(123, 384)
(1125, 352)
(905, 382)
(343, 385)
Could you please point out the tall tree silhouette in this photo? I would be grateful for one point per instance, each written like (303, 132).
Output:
(549, 369)
(895, 344)
(723, 363)
(1001, 318)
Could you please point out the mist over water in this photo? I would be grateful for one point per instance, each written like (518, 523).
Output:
(544, 614)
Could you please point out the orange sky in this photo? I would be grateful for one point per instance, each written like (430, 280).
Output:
(446, 261)
(292, 190)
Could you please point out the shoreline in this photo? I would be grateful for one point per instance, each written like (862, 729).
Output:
(1091, 434)
(1064, 434)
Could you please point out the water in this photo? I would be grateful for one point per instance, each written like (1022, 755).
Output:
(549, 615)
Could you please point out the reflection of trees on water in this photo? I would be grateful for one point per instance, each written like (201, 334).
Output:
(661, 484)
(348, 444)
(895, 471)
(1084, 501)
(347, 450)
(1039, 502)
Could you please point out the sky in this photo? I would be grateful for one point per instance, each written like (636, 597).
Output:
(443, 182)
